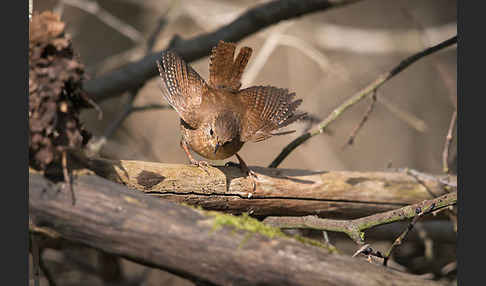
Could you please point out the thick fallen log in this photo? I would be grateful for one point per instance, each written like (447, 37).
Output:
(276, 192)
(202, 246)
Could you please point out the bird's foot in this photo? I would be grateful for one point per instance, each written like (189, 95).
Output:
(201, 164)
(251, 175)
(243, 167)
(249, 172)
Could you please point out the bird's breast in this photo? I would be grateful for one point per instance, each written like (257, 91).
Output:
(198, 142)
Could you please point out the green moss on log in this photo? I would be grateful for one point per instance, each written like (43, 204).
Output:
(252, 225)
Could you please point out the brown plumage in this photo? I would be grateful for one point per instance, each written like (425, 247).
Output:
(217, 118)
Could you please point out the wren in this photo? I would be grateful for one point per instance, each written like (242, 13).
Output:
(216, 119)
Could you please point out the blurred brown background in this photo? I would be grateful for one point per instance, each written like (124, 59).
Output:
(324, 57)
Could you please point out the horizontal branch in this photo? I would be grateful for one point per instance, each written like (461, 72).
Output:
(354, 228)
(206, 247)
(136, 73)
(331, 194)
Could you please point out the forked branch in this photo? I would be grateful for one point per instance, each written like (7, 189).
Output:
(354, 228)
(360, 95)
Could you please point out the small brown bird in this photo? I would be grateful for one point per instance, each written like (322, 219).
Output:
(218, 118)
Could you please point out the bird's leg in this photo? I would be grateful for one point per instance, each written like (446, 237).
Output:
(245, 168)
(193, 161)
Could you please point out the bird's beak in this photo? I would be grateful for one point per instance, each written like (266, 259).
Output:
(216, 148)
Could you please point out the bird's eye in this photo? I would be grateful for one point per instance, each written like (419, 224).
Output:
(211, 132)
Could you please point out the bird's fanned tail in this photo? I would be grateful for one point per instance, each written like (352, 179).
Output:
(224, 70)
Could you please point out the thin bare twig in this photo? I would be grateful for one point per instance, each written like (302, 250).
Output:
(109, 19)
(423, 176)
(118, 59)
(420, 177)
(127, 109)
(67, 175)
(269, 46)
(445, 153)
(354, 228)
(31, 8)
(150, 107)
(163, 21)
(363, 121)
(404, 115)
(368, 251)
(97, 144)
(420, 213)
(33, 229)
(153, 36)
(307, 49)
(449, 267)
(428, 242)
(310, 120)
(453, 218)
(360, 95)
(346, 38)
(34, 248)
(427, 37)
(94, 105)
(450, 82)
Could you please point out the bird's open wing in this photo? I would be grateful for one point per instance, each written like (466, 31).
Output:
(267, 109)
(181, 86)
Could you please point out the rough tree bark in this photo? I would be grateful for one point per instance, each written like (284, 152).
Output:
(330, 194)
(204, 247)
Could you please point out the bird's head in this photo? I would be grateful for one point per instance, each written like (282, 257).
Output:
(221, 129)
